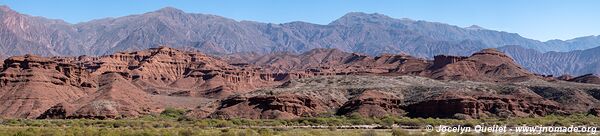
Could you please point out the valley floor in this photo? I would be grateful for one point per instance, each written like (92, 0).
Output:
(325, 126)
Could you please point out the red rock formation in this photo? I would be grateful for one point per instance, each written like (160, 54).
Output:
(594, 111)
(443, 60)
(116, 97)
(482, 105)
(130, 84)
(486, 65)
(29, 85)
(373, 104)
(334, 62)
(89, 85)
(58, 111)
(191, 73)
(565, 77)
(589, 78)
(283, 106)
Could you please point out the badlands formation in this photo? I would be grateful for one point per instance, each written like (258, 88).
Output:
(320, 82)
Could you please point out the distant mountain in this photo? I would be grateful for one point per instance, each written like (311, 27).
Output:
(580, 43)
(354, 32)
(23, 34)
(577, 62)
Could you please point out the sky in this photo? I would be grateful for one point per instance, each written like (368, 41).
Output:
(536, 19)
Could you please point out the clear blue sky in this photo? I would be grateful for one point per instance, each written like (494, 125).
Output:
(536, 19)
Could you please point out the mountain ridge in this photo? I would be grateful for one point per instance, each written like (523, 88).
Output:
(578, 62)
(292, 36)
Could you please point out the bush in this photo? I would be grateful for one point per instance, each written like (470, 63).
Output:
(388, 121)
(355, 115)
(224, 124)
(400, 132)
(247, 132)
(186, 132)
(157, 125)
(369, 133)
(230, 133)
(265, 132)
(172, 113)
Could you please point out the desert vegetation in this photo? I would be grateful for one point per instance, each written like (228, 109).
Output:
(174, 122)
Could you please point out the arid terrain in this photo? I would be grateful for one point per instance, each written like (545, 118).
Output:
(320, 82)
(299, 68)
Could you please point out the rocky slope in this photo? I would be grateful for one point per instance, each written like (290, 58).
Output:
(407, 96)
(23, 34)
(580, 43)
(318, 82)
(333, 61)
(576, 63)
(485, 65)
(30, 84)
(119, 85)
(589, 78)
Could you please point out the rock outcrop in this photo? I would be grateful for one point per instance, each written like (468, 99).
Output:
(282, 106)
(588, 78)
(486, 65)
(116, 97)
(126, 84)
(483, 105)
(29, 85)
(408, 96)
(373, 104)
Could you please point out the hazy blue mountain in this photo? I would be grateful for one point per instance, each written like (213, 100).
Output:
(22, 34)
(578, 62)
(354, 32)
(580, 43)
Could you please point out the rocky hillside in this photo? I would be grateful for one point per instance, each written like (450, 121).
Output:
(119, 85)
(485, 65)
(406, 96)
(131, 84)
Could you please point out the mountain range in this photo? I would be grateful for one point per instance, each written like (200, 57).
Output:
(371, 34)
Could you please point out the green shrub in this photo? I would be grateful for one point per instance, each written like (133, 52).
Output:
(400, 132)
(388, 121)
(265, 132)
(186, 132)
(247, 132)
(223, 124)
(172, 113)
